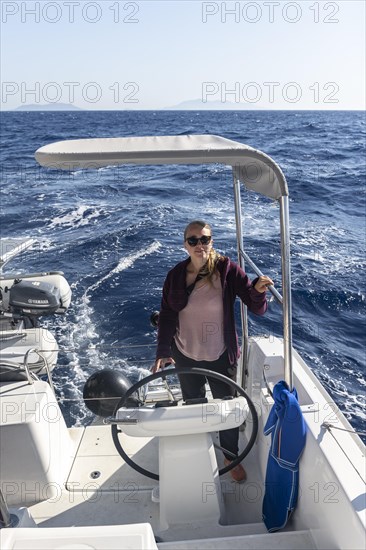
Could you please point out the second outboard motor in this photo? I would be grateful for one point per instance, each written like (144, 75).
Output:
(103, 391)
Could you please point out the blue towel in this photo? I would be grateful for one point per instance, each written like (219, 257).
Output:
(288, 429)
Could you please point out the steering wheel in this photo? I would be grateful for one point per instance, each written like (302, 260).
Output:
(196, 371)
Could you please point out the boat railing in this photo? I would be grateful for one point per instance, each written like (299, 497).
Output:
(25, 369)
(9, 248)
(45, 363)
(18, 367)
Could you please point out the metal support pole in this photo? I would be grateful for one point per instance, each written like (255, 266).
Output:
(25, 364)
(6, 519)
(243, 363)
(286, 289)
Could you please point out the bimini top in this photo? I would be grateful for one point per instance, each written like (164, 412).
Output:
(254, 169)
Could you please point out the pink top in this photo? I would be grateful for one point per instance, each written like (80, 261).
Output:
(200, 333)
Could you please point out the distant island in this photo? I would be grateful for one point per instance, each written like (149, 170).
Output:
(189, 105)
(48, 107)
(199, 105)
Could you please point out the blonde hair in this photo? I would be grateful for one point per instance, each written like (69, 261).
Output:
(207, 271)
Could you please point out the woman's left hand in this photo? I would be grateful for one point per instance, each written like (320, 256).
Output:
(262, 283)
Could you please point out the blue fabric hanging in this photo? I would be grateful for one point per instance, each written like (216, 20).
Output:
(288, 429)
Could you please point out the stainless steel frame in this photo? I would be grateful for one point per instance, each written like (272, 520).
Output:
(269, 181)
(285, 299)
(286, 288)
(243, 361)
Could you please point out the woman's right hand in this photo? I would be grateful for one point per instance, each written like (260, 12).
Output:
(161, 363)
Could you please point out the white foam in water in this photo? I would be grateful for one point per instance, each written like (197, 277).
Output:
(123, 264)
(76, 218)
(44, 245)
(78, 342)
(352, 404)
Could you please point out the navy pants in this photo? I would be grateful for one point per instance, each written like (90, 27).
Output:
(194, 386)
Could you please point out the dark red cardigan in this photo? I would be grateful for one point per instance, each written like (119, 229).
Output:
(234, 282)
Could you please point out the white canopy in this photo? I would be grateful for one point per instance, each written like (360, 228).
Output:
(254, 169)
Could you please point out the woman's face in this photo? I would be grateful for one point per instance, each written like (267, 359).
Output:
(197, 249)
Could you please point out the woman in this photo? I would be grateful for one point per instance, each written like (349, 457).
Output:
(197, 324)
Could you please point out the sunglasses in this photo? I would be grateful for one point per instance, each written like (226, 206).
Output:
(193, 241)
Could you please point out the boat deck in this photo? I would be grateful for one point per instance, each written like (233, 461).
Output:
(98, 490)
(103, 490)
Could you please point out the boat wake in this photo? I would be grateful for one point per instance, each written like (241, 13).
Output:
(85, 351)
(123, 264)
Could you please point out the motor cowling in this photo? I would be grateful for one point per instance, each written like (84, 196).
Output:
(34, 298)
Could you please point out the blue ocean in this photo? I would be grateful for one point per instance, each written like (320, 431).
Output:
(115, 232)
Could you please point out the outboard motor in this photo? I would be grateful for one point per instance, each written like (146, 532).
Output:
(34, 298)
(35, 294)
(103, 391)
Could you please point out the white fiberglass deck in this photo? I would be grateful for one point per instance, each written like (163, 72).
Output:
(121, 495)
(100, 489)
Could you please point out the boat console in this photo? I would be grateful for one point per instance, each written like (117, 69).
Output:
(187, 459)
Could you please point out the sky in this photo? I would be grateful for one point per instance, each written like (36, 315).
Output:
(151, 54)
